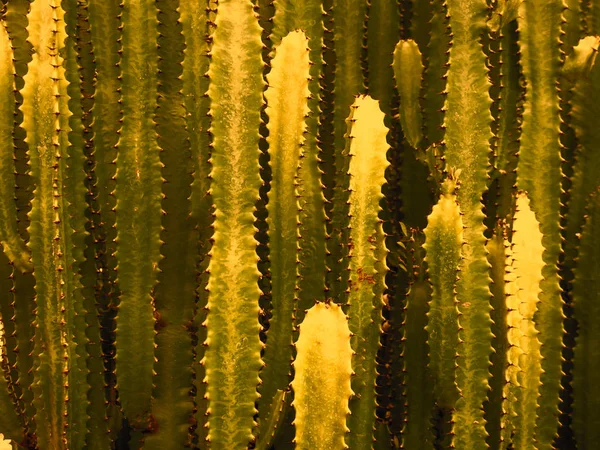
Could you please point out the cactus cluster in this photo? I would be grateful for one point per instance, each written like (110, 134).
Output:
(311, 224)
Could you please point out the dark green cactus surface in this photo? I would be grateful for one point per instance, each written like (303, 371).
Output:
(311, 224)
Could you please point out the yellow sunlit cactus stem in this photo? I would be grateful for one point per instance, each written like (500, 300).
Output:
(367, 150)
(322, 379)
(524, 357)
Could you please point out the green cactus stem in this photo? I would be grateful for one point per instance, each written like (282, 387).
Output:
(12, 243)
(416, 431)
(57, 363)
(287, 107)
(348, 35)
(467, 121)
(586, 289)
(12, 426)
(307, 15)
(539, 174)
(195, 28)
(443, 242)
(232, 359)
(495, 414)
(106, 33)
(408, 70)
(23, 288)
(322, 379)
(367, 147)
(383, 31)
(175, 293)
(138, 209)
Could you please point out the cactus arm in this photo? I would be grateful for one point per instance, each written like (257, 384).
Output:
(43, 93)
(287, 107)
(383, 31)
(496, 416)
(348, 29)
(586, 289)
(175, 293)
(11, 426)
(539, 173)
(408, 70)
(527, 265)
(443, 241)
(368, 148)
(24, 293)
(232, 359)
(12, 243)
(322, 379)
(466, 146)
(138, 192)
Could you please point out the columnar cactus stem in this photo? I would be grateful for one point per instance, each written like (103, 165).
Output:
(175, 293)
(443, 242)
(524, 355)
(367, 149)
(287, 107)
(383, 31)
(232, 359)
(348, 32)
(495, 414)
(417, 428)
(539, 174)
(408, 70)
(307, 15)
(138, 192)
(106, 35)
(195, 16)
(586, 289)
(52, 240)
(12, 243)
(81, 94)
(23, 287)
(322, 381)
(467, 122)
(12, 426)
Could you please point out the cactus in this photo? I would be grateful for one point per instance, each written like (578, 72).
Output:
(299, 224)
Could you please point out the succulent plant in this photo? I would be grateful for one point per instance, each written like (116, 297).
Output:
(237, 224)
